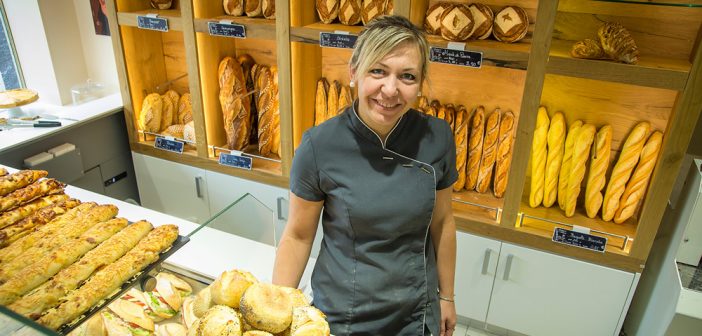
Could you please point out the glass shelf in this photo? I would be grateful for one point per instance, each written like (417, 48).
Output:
(678, 3)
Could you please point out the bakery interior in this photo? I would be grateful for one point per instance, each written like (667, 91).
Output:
(127, 131)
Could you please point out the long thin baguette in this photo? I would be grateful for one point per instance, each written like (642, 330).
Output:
(111, 277)
(37, 273)
(333, 99)
(504, 154)
(554, 159)
(581, 150)
(598, 168)
(15, 215)
(538, 158)
(461, 139)
(22, 228)
(20, 179)
(475, 147)
(564, 173)
(30, 193)
(320, 106)
(47, 295)
(487, 162)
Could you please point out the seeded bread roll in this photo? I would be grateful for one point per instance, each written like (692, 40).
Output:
(253, 8)
(320, 107)
(234, 7)
(461, 138)
(150, 115)
(432, 22)
(267, 307)
(581, 150)
(538, 158)
(598, 167)
(555, 143)
(487, 162)
(456, 22)
(328, 10)
(504, 154)
(483, 18)
(511, 24)
(475, 147)
(565, 165)
(372, 9)
(350, 12)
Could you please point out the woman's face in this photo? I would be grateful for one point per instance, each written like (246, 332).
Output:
(389, 88)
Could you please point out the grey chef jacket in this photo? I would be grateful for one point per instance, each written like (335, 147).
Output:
(376, 271)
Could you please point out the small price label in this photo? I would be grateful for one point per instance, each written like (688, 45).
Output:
(236, 161)
(226, 29)
(471, 59)
(579, 239)
(152, 23)
(336, 40)
(170, 145)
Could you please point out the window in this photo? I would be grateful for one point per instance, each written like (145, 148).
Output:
(11, 74)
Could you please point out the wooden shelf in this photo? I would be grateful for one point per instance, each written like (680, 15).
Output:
(173, 16)
(259, 28)
(495, 53)
(656, 72)
(271, 167)
(188, 149)
(310, 33)
(474, 206)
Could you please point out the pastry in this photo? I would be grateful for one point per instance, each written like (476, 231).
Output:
(555, 143)
(617, 43)
(161, 4)
(333, 99)
(253, 8)
(511, 24)
(581, 150)
(487, 162)
(327, 10)
(628, 157)
(167, 113)
(320, 107)
(24, 227)
(350, 12)
(185, 109)
(599, 162)
(475, 147)
(20, 179)
(565, 165)
(230, 286)
(150, 116)
(504, 154)
(15, 215)
(234, 7)
(175, 99)
(372, 9)
(460, 136)
(268, 9)
(538, 158)
(235, 104)
(31, 192)
(483, 17)
(432, 22)
(345, 98)
(636, 187)
(587, 48)
(266, 307)
(456, 22)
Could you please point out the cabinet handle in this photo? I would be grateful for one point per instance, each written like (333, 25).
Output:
(198, 181)
(486, 261)
(508, 267)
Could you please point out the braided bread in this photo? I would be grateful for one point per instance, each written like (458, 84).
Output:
(538, 158)
(555, 143)
(636, 187)
(598, 167)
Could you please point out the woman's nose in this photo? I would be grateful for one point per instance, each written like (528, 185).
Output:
(389, 87)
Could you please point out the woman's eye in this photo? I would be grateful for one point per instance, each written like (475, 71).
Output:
(377, 71)
(409, 77)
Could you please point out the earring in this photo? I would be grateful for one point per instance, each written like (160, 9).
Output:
(419, 93)
(352, 84)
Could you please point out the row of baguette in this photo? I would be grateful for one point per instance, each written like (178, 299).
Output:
(460, 22)
(352, 12)
(330, 99)
(250, 8)
(60, 256)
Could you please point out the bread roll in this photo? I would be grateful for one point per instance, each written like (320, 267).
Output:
(234, 7)
(504, 154)
(253, 8)
(432, 22)
(461, 138)
(483, 18)
(228, 288)
(511, 24)
(185, 109)
(598, 168)
(350, 12)
(150, 115)
(167, 113)
(487, 162)
(189, 132)
(628, 157)
(565, 165)
(305, 319)
(475, 147)
(3, 172)
(235, 104)
(320, 107)
(555, 144)
(266, 307)
(327, 10)
(333, 99)
(581, 150)
(218, 320)
(297, 298)
(456, 22)
(538, 158)
(268, 9)
(617, 43)
(636, 187)
(372, 9)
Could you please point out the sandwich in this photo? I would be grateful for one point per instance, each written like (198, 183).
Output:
(127, 318)
(167, 297)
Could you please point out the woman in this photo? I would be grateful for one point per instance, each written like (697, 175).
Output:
(382, 173)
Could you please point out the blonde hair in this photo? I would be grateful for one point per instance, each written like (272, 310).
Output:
(381, 36)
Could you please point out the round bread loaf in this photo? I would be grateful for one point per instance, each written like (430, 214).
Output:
(483, 18)
(202, 302)
(350, 12)
(432, 21)
(267, 307)
(230, 286)
(151, 110)
(371, 9)
(511, 24)
(456, 22)
(161, 4)
(218, 321)
(327, 10)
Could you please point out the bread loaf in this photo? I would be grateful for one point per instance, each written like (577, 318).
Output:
(327, 10)
(275, 141)
(372, 9)
(511, 24)
(555, 143)
(487, 162)
(345, 98)
(253, 8)
(189, 132)
(185, 109)
(617, 43)
(432, 111)
(320, 106)
(483, 17)
(567, 158)
(161, 4)
(456, 22)
(581, 150)
(175, 98)
(235, 105)
(538, 158)
(230, 286)
(432, 22)
(234, 7)
(247, 63)
(167, 113)
(636, 187)
(598, 168)
(460, 136)
(267, 110)
(350, 12)
(175, 131)
(150, 116)
(441, 112)
(504, 154)
(333, 100)
(628, 157)
(475, 147)
(268, 8)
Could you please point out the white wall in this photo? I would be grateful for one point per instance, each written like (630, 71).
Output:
(97, 49)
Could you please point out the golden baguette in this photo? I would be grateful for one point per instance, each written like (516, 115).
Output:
(345, 98)
(267, 102)
(475, 147)
(332, 100)
(236, 106)
(20, 179)
(320, 107)
(598, 168)
(565, 165)
(555, 144)
(15, 215)
(636, 187)
(47, 295)
(487, 161)
(63, 235)
(504, 154)
(628, 157)
(538, 158)
(30, 193)
(581, 150)
(461, 139)
(22, 228)
(450, 115)
(45, 267)
(275, 126)
(109, 278)
(441, 112)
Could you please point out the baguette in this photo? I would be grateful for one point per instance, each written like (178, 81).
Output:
(320, 107)
(333, 99)
(461, 139)
(47, 295)
(598, 168)
(20, 179)
(345, 98)
(31, 192)
(554, 159)
(22, 228)
(475, 147)
(636, 187)
(581, 150)
(423, 103)
(628, 157)
(109, 278)
(247, 63)
(327, 10)
(487, 162)
(275, 127)
(538, 158)
(267, 99)
(450, 116)
(565, 165)
(15, 215)
(350, 12)
(441, 112)
(504, 154)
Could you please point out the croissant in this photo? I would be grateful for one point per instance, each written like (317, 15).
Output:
(617, 43)
(538, 158)
(555, 143)
(587, 48)
(598, 167)
(565, 165)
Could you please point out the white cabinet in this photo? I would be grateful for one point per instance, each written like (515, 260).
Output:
(537, 293)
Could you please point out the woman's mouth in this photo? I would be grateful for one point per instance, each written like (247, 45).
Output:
(386, 105)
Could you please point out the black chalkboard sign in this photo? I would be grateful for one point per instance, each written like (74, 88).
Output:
(174, 146)
(334, 40)
(236, 161)
(471, 59)
(226, 29)
(579, 239)
(152, 23)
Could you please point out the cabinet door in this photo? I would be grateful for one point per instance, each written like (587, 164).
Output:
(538, 293)
(476, 264)
(172, 188)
